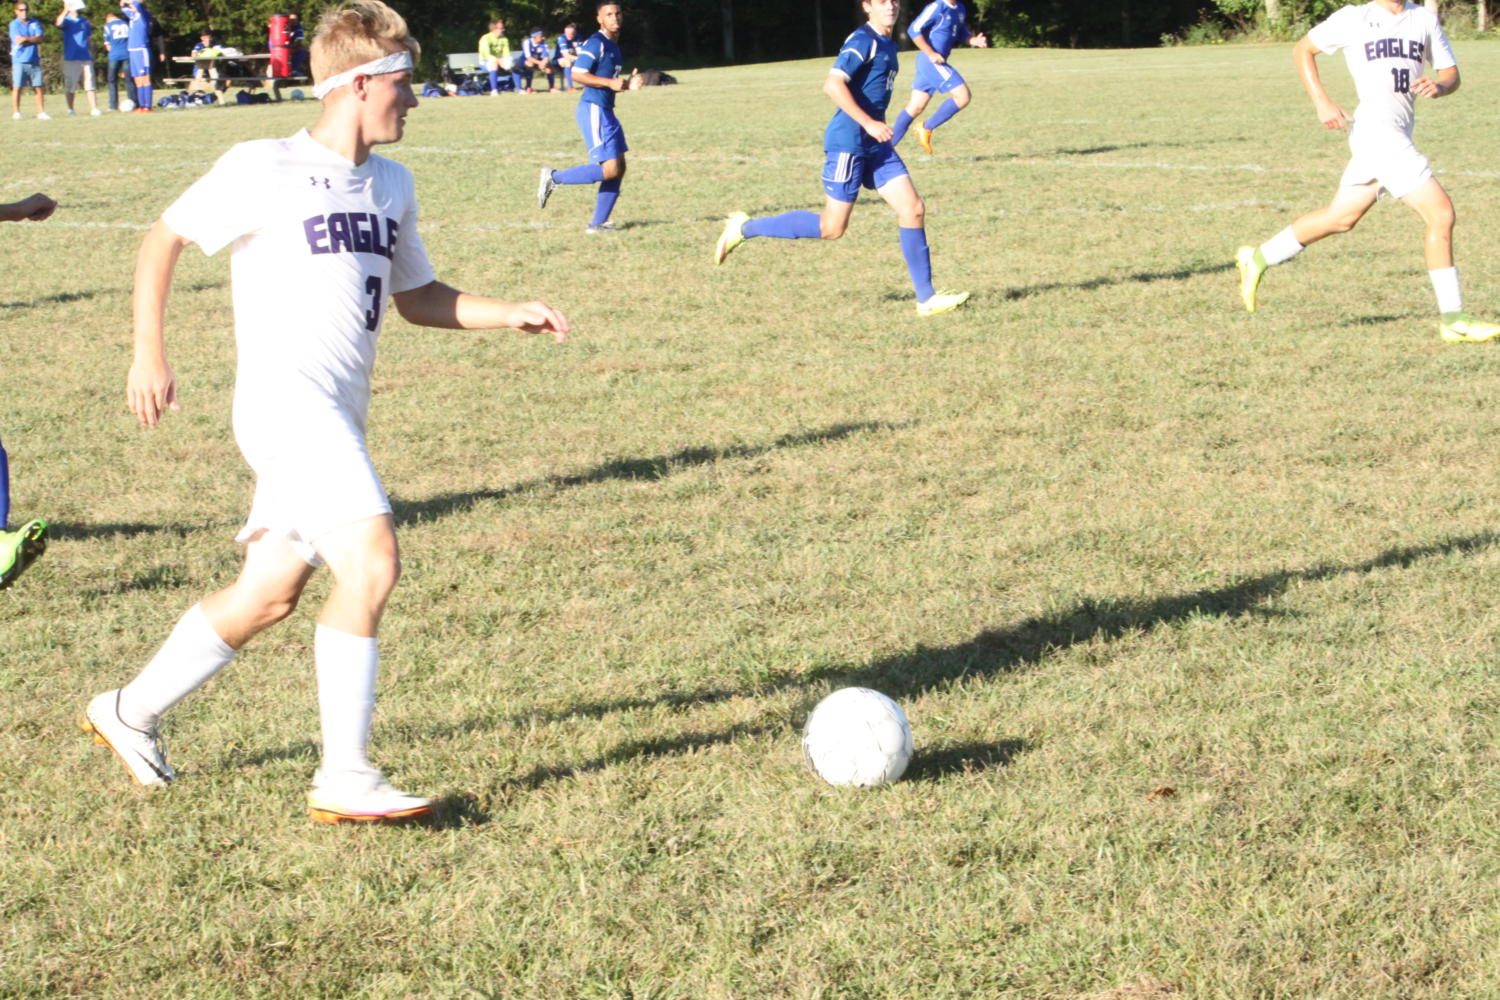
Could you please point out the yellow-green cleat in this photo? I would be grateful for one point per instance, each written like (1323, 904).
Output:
(1250, 273)
(1465, 329)
(924, 138)
(941, 302)
(19, 549)
(732, 237)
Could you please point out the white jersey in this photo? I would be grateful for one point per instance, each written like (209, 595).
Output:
(1385, 53)
(318, 244)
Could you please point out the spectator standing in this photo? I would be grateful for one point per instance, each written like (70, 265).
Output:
(538, 59)
(495, 56)
(565, 52)
(138, 48)
(78, 55)
(117, 34)
(25, 61)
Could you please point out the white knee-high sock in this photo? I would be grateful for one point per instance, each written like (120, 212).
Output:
(1445, 284)
(1280, 248)
(347, 665)
(191, 655)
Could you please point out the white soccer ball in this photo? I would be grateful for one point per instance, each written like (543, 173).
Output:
(127, 105)
(857, 736)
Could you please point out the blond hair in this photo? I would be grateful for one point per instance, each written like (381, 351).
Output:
(355, 33)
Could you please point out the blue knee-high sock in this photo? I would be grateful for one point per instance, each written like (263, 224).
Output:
(948, 110)
(494, 80)
(550, 84)
(4, 489)
(515, 81)
(568, 78)
(918, 261)
(604, 202)
(584, 173)
(799, 225)
(903, 122)
(526, 75)
(142, 97)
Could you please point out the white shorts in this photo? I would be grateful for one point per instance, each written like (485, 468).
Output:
(310, 482)
(1385, 156)
(76, 72)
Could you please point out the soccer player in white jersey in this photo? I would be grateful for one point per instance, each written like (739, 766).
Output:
(322, 232)
(1386, 44)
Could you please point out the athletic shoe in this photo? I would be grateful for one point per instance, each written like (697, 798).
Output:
(1250, 273)
(1466, 329)
(924, 138)
(15, 116)
(545, 187)
(42, 116)
(72, 112)
(603, 227)
(141, 750)
(19, 549)
(361, 797)
(941, 302)
(732, 237)
(95, 113)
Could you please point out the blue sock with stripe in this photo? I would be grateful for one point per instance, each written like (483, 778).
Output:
(918, 261)
(948, 110)
(604, 203)
(903, 122)
(143, 97)
(4, 489)
(799, 225)
(584, 173)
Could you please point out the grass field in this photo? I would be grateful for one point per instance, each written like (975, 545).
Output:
(1101, 532)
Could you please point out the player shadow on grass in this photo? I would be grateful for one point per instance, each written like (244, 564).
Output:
(1141, 277)
(657, 467)
(992, 653)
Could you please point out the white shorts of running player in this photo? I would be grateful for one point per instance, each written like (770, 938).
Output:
(1387, 157)
(308, 485)
(78, 73)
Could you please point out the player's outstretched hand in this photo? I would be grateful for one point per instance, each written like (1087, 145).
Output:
(151, 390)
(1332, 116)
(538, 317)
(1424, 86)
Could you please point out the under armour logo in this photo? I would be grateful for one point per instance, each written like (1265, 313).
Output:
(314, 181)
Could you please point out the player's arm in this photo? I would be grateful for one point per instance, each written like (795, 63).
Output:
(837, 89)
(443, 306)
(615, 83)
(1442, 83)
(151, 387)
(33, 209)
(920, 41)
(1305, 56)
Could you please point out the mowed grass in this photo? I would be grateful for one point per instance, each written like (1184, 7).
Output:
(1191, 610)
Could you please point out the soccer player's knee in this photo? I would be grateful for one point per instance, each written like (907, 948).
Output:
(614, 169)
(277, 608)
(915, 216)
(831, 229)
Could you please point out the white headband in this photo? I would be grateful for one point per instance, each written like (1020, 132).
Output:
(393, 62)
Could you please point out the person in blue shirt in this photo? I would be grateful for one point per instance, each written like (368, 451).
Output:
(565, 52)
(78, 55)
(536, 57)
(26, 60)
(138, 47)
(941, 25)
(858, 153)
(597, 68)
(117, 34)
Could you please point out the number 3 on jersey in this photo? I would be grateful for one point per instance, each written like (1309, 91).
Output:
(1401, 80)
(372, 315)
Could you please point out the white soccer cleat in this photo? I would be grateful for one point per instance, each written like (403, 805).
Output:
(604, 227)
(95, 113)
(361, 797)
(732, 236)
(544, 187)
(942, 302)
(42, 116)
(15, 116)
(142, 751)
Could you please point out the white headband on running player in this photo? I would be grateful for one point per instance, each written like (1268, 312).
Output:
(393, 62)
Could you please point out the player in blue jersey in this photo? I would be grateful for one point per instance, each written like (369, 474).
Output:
(564, 52)
(138, 47)
(858, 152)
(598, 69)
(941, 25)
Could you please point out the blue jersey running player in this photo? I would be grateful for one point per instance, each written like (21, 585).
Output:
(941, 25)
(857, 150)
(597, 68)
(138, 47)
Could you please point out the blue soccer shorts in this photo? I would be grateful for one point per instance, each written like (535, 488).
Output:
(932, 79)
(845, 173)
(601, 130)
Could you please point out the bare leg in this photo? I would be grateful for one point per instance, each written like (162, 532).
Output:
(1340, 215)
(1432, 203)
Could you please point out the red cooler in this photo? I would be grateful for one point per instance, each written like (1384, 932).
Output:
(281, 50)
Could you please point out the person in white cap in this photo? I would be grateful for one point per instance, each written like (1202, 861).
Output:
(323, 233)
(78, 55)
